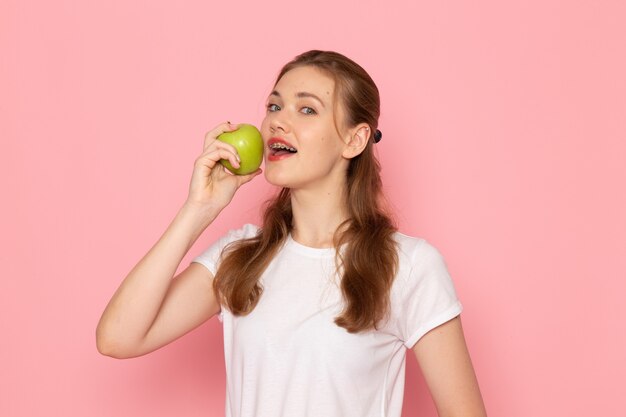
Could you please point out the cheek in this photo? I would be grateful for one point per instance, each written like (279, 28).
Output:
(265, 128)
(265, 123)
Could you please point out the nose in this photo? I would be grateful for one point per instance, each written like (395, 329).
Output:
(278, 122)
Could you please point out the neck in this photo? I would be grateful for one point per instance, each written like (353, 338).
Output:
(317, 215)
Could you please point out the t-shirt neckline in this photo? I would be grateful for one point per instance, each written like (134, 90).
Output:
(308, 250)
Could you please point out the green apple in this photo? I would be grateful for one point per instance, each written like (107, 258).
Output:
(249, 144)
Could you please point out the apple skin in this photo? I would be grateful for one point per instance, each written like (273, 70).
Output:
(249, 144)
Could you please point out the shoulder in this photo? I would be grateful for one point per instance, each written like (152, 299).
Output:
(246, 231)
(210, 257)
(417, 256)
(414, 248)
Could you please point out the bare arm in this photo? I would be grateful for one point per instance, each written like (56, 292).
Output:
(148, 296)
(447, 368)
(150, 308)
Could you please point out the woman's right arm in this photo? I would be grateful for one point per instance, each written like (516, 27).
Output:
(151, 308)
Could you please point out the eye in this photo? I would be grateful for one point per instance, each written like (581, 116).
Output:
(308, 110)
(273, 107)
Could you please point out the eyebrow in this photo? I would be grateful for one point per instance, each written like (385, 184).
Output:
(301, 94)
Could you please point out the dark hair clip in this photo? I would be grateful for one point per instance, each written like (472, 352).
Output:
(378, 135)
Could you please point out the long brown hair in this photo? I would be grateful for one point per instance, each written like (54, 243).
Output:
(370, 261)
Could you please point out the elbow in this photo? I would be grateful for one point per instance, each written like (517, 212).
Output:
(109, 346)
(112, 350)
(106, 348)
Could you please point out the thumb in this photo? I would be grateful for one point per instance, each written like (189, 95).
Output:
(242, 179)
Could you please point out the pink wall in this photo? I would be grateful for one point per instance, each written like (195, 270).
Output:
(504, 131)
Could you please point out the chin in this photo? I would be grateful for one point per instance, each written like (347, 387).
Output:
(276, 179)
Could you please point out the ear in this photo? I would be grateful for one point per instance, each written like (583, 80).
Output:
(356, 140)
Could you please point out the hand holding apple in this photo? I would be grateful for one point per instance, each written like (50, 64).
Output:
(212, 186)
(249, 144)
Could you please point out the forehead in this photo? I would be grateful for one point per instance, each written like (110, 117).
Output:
(307, 79)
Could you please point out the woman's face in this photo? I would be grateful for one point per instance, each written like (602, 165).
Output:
(300, 116)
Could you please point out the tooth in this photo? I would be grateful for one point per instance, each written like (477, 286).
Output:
(282, 146)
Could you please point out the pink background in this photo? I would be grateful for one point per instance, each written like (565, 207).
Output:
(504, 128)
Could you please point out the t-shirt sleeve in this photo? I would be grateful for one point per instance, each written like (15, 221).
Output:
(427, 297)
(211, 256)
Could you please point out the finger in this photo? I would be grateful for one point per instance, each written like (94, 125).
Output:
(223, 145)
(212, 135)
(211, 157)
(247, 178)
(221, 172)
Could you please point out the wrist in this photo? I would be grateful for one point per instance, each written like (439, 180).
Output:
(202, 213)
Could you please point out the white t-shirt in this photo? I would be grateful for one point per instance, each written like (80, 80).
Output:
(288, 358)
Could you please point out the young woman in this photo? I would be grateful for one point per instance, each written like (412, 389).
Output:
(321, 302)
